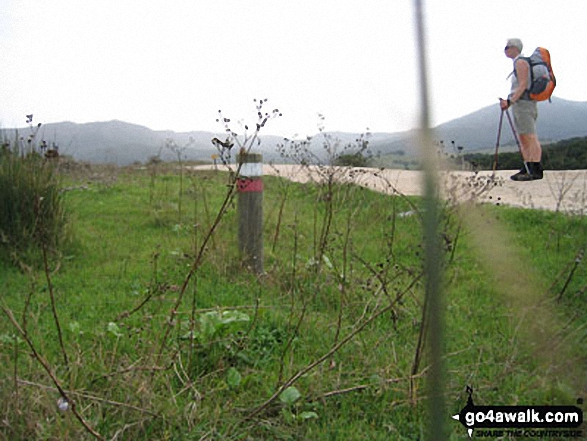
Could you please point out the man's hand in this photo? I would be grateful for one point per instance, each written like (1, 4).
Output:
(504, 104)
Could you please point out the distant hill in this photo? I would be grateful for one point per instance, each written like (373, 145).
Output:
(558, 120)
(124, 143)
(120, 142)
(561, 119)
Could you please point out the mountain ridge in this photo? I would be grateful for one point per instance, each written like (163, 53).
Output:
(123, 143)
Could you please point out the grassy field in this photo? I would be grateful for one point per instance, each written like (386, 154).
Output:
(159, 343)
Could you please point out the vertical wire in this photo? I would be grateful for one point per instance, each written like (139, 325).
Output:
(432, 254)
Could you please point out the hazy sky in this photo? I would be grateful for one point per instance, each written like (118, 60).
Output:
(173, 64)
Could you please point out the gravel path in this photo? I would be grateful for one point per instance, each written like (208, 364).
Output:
(564, 191)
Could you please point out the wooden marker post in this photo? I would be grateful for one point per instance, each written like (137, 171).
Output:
(250, 210)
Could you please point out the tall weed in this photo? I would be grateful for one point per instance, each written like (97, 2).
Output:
(31, 201)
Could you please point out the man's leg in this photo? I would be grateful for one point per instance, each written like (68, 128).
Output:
(531, 149)
(525, 114)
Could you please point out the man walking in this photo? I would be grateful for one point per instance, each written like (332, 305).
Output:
(525, 113)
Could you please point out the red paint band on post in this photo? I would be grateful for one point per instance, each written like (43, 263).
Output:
(249, 185)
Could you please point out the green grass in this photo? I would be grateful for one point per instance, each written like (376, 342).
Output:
(130, 245)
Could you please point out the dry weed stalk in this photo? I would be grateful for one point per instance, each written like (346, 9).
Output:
(53, 304)
(246, 144)
(358, 328)
(62, 391)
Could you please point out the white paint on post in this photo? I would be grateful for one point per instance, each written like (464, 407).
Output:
(251, 169)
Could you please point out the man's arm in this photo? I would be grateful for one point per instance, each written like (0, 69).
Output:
(522, 69)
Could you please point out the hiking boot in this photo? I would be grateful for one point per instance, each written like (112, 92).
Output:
(536, 170)
(530, 172)
(522, 175)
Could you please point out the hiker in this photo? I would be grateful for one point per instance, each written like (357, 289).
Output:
(525, 113)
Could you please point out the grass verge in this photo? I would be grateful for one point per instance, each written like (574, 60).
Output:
(325, 345)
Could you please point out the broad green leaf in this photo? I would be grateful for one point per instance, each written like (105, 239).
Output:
(307, 415)
(233, 378)
(290, 395)
(209, 324)
(327, 261)
(10, 338)
(234, 316)
(114, 329)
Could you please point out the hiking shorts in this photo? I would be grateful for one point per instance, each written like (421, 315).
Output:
(525, 114)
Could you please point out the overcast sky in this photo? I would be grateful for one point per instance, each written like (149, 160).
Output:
(173, 64)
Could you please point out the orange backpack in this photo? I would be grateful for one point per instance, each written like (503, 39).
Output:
(542, 80)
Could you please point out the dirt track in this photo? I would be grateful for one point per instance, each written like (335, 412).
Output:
(564, 191)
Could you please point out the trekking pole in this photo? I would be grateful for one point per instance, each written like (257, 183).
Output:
(498, 138)
(517, 140)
